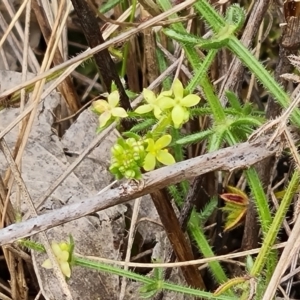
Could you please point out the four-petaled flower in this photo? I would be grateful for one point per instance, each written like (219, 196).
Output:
(108, 109)
(152, 105)
(179, 104)
(156, 152)
(61, 252)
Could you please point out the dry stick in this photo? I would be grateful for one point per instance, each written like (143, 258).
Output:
(66, 88)
(24, 77)
(105, 64)
(86, 54)
(149, 44)
(26, 48)
(294, 151)
(256, 55)
(13, 259)
(185, 213)
(179, 243)
(11, 39)
(240, 156)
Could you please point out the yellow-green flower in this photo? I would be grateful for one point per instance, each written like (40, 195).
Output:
(61, 252)
(108, 109)
(152, 105)
(179, 104)
(156, 152)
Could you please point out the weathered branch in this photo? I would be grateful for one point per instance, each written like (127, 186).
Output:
(228, 159)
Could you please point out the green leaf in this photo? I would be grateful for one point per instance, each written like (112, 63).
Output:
(200, 111)
(246, 121)
(217, 138)
(105, 7)
(133, 135)
(186, 38)
(194, 138)
(208, 210)
(235, 15)
(145, 124)
(233, 101)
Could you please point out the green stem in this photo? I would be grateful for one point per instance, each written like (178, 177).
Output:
(214, 19)
(146, 280)
(201, 78)
(271, 235)
(78, 261)
(260, 198)
(202, 71)
(205, 248)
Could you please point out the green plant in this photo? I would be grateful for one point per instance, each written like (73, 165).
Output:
(64, 252)
(157, 140)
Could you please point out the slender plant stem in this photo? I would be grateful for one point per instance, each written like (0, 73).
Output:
(271, 235)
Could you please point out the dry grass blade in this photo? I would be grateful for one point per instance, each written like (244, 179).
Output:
(88, 53)
(182, 263)
(66, 88)
(12, 24)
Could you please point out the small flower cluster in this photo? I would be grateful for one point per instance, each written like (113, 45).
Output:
(173, 102)
(127, 158)
(134, 153)
(62, 254)
(130, 155)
